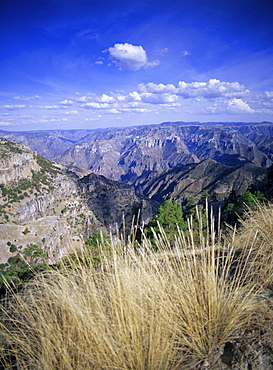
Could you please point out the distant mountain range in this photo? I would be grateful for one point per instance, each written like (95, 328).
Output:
(106, 176)
(166, 160)
(125, 154)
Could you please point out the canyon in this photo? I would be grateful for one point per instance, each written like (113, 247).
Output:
(58, 186)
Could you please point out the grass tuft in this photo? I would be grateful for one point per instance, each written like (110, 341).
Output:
(142, 307)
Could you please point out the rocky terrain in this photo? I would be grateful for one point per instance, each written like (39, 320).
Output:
(113, 203)
(125, 154)
(107, 176)
(48, 144)
(49, 205)
(206, 177)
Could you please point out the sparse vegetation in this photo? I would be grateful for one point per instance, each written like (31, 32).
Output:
(141, 308)
(21, 267)
(9, 146)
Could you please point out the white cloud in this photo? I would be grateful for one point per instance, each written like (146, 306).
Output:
(135, 96)
(119, 97)
(12, 107)
(157, 88)
(26, 98)
(158, 98)
(239, 106)
(44, 106)
(212, 89)
(71, 113)
(104, 98)
(66, 102)
(113, 111)
(228, 106)
(95, 105)
(82, 99)
(184, 53)
(136, 110)
(269, 94)
(154, 94)
(130, 56)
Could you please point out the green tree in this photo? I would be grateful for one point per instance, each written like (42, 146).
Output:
(238, 207)
(169, 216)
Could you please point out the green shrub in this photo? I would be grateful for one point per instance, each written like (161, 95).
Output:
(13, 248)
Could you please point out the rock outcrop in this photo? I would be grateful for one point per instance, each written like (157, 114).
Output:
(114, 203)
(40, 204)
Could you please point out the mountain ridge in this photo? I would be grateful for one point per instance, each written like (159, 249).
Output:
(206, 177)
(125, 154)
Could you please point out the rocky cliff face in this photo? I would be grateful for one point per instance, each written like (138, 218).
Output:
(54, 207)
(16, 162)
(124, 154)
(114, 203)
(39, 204)
(206, 177)
(127, 154)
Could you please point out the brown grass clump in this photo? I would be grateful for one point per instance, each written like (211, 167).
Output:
(257, 231)
(142, 309)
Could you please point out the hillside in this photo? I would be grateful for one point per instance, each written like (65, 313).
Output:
(34, 193)
(48, 205)
(206, 177)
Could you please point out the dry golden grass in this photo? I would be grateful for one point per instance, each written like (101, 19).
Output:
(257, 231)
(142, 309)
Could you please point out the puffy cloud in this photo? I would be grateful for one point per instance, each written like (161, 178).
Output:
(130, 56)
(239, 106)
(158, 98)
(66, 102)
(120, 97)
(212, 89)
(230, 106)
(157, 88)
(82, 99)
(152, 98)
(104, 98)
(135, 96)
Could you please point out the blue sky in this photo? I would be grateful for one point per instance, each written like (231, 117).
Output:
(95, 64)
